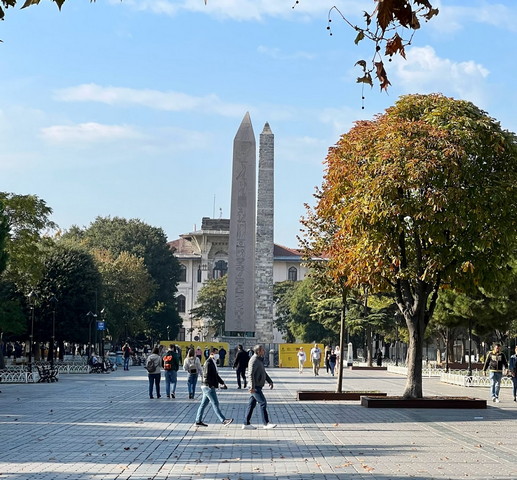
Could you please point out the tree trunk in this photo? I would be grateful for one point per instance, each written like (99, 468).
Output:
(416, 329)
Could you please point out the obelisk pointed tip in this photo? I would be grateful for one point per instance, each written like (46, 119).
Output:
(267, 128)
(245, 132)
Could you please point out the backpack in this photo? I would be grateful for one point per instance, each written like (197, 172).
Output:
(150, 366)
(168, 362)
(192, 366)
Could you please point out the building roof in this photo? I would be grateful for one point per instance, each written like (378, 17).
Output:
(183, 247)
(281, 251)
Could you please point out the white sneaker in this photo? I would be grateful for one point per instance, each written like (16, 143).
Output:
(496, 400)
(249, 427)
(270, 426)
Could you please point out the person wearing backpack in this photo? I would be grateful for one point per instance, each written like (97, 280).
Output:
(192, 365)
(152, 365)
(171, 365)
(126, 351)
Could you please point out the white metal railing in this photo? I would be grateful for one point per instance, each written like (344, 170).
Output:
(474, 380)
(20, 374)
(16, 376)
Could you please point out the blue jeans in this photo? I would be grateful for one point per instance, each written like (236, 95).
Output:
(209, 396)
(332, 366)
(191, 384)
(154, 379)
(257, 397)
(171, 378)
(126, 363)
(495, 383)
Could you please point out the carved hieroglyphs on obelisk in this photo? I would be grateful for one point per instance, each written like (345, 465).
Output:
(240, 296)
(265, 233)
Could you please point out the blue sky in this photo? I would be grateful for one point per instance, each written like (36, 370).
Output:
(130, 108)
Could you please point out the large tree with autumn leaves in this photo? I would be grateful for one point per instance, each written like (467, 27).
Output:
(420, 198)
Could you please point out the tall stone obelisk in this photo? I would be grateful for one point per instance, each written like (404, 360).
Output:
(240, 296)
(265, 234)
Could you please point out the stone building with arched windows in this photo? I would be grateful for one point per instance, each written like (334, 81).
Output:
(203, 255)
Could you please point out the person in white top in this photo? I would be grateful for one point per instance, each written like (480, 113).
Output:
(301, 359)
(316, 359)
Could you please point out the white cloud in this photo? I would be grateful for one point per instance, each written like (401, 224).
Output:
(168, 101)
(249, 10)
(452, 18)
(87, 133)
(277, 54)
(426, 72)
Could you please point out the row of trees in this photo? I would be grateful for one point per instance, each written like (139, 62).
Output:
(123, 268)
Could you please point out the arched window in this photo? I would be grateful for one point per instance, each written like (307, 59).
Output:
(183, 274)
(181, 303)
(220, 269)
(292, 274)
(199, 275)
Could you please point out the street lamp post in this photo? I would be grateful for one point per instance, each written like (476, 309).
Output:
(470, 349)
(91, 316)
(33, 297)
(53, 302)
(101, 341)
(447, 350)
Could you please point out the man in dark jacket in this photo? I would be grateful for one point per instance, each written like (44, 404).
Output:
(257, 378)
(241, 364)
(211, 380)
(494, 363)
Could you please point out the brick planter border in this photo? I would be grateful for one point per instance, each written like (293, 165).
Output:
(427, 402)
(322, 395)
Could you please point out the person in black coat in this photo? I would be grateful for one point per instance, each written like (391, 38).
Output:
(240, 364)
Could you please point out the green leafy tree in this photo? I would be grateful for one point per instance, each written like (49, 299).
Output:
(300, 313)
(211, 304)
(282, 292)
(4, 232)
(71, 275)
(421, 196)
(127, 289)
(29, 225)
(135, 237)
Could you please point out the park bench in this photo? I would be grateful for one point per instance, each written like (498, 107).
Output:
(47, 373)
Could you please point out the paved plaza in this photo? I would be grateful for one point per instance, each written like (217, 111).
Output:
(104, 426)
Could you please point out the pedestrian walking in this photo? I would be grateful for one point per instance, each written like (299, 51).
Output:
(301, 359)
(332, 362)
(316, 359)
(495, 362)
(126, 353)
(326, 357)
(171, 365)
(257, 378)
(241, 364)
(211, 380)
(152, 365)
(192, 365)
(379, 358)
(513, 372)
(199, 353)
